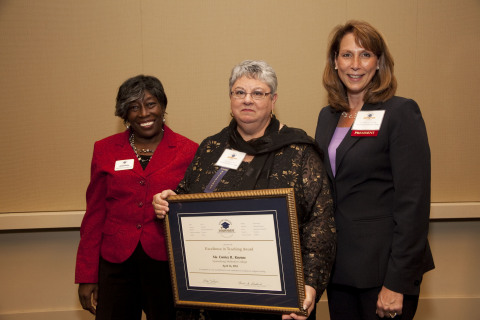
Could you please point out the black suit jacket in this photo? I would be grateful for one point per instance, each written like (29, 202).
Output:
(382, 199)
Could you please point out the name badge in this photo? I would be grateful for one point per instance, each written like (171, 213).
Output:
(123, 164)
(231, 159)
(367, 123)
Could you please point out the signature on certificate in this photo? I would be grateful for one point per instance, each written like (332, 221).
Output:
(252, 284)
(210, 281)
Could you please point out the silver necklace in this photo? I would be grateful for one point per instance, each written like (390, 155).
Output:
(132, 143)
(350, 116)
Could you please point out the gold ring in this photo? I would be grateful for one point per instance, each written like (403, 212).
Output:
(392, 315)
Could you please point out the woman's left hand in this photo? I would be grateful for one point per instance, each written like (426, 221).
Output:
(389, 303)
(308, 304)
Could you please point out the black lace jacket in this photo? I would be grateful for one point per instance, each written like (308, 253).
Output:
(296, 166)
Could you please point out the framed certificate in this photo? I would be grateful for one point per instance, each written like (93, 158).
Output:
(236, 250)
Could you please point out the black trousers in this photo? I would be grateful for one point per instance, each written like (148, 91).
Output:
(139, 283)
(349, 303)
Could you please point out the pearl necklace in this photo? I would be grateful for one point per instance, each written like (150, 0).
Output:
(350, 116)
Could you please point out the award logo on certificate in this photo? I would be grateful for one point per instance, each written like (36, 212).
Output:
(236, 250)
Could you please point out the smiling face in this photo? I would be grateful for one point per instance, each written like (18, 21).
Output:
(252, 116)
(145, 116)
(356, 66)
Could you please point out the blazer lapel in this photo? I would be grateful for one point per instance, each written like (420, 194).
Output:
(330, 130)
(349, 141)
(164, 154)
(126, 152)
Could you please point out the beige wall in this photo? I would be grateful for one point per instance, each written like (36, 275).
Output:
(61, 62)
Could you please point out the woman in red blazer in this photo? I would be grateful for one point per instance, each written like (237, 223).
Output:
(122, 265)
(378, 160)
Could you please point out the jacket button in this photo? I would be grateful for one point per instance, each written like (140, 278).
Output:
(140, 204)
(142, 182)
(139, 226)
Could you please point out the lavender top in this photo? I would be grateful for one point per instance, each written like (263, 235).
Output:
(338, 136)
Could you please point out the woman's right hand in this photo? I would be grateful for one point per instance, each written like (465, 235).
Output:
(160, 204)
(88, 295)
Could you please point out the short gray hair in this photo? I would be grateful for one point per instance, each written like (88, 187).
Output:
(256, 69)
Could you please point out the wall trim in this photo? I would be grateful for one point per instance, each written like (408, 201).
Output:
(73, 219)
(41, 220)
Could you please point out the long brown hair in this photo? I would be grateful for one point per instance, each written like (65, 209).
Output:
(383, 84)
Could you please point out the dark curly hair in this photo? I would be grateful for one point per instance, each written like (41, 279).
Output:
(134, 89)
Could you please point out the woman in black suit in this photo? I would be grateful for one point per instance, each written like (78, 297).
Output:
(378, 159)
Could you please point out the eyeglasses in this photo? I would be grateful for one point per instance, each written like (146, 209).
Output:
(256, 95)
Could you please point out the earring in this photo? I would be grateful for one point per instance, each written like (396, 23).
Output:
(127, 124)
(378, 67)
(163, 120)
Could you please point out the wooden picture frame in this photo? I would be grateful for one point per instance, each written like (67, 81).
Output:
(236, 250)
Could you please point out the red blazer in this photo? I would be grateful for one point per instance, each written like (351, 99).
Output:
(119, 203)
